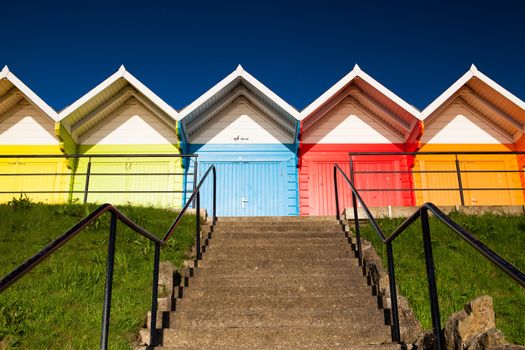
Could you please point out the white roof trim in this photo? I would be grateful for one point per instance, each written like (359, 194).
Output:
(357, 72)
(122, 73)
(239, 73)
(29, 94)
(471, 73)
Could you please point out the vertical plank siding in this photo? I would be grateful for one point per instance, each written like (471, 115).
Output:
(133, 130)
(255, 159)
(28, 131)
(469, 180)
(316, 177)
(246, 131)
(520, 146)
(130, 182)
(22, 184)
(263, 175)
(461, 128)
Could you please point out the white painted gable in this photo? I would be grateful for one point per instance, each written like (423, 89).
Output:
(27, 126)
(349, 124)
(240, 123)
(132, 126)
(460, 125)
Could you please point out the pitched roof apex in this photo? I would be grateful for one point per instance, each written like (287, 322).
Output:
(4, 71)
(473, 69)
(357, 69)
(131, 80)
(239, 70)
(28, 93)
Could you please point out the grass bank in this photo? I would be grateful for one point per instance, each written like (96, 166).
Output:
(59, 304)
(461, 273)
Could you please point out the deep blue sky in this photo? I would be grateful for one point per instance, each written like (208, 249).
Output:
(297, 48)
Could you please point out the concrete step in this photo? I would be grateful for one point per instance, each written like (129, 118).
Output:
(383, 346)
(282, 250)
(278, 228)
(309, 281)
(271, 271)
(287, 291)
(272, 338)
(276, 219)
(276, 303)
(275, 241)
(240, 235)
(359, 319)
(276, 253)
(261, 261)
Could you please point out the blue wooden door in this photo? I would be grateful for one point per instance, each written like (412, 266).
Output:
(247, 188)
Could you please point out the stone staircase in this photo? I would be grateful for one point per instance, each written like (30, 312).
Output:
(275, 283)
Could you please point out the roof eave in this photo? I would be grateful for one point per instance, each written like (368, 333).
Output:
(139, 86)
(236, 74)
(471, 73)
(327, 95)
(434, 105)
(29, 94)
(392, 96)
(347, 79)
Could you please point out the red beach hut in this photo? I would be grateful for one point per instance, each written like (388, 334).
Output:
(357, 114)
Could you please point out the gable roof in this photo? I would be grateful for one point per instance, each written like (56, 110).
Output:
(369, 93)
(33, 98)
(107, 97)
(504, 110)
(238, 83)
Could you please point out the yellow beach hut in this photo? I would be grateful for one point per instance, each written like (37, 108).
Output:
(474, 115)
(117, 127)
(27, 127)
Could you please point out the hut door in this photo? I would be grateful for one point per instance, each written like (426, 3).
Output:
(486, 180)
(247, 188)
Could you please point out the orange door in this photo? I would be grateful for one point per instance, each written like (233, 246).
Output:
(440, 187)
(486, 180)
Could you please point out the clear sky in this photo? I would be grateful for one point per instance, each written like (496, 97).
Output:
(298, 49)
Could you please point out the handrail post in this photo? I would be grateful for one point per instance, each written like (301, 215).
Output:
(214, 219)
(394, 327)
(109, 282)
(337, 214)
(195, 177)
(198, 226)
(154, 296)
(356, 215)
(88, 175)
(460, 182)
(431, 277)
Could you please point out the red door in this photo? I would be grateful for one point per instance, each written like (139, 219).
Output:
(379, 187)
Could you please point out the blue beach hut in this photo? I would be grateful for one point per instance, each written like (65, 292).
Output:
(251, 136)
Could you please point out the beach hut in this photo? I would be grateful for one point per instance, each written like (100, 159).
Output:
(27, 127)
(474, 115)
(250, 135)
(122, 117)
(357, 114)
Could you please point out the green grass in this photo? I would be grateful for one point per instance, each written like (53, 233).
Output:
(461, 272)
(58, 305)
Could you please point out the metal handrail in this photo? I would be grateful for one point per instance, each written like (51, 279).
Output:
(434, 153)
(421, 212)
(461, 189)
(116, 215)
(88, 174)
(106, 155)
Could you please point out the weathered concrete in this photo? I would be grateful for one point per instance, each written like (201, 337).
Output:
(280, 283)
(409, 325)
(400, 212)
